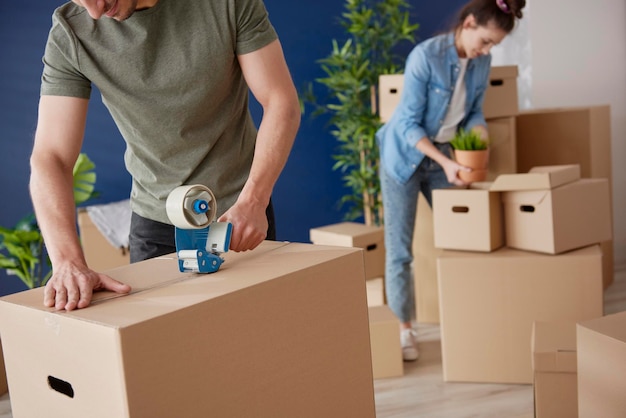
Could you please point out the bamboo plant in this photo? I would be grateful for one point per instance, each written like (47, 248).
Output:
(374, 29)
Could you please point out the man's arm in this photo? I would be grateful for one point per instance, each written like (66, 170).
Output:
(267, 75)
(58, 141)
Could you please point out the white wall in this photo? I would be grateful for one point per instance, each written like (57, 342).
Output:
(573, 53)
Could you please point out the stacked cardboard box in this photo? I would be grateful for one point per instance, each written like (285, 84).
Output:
(601, 363)
(549, 210)
(384, 325)
(279, 331)
(554, 367)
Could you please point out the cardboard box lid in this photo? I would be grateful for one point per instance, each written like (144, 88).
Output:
(503, 71)
(159, 288)
(613, 326)
(554, 347)
(538, 178)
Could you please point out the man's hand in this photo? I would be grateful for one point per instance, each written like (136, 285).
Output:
(72, 287)
(249, 225)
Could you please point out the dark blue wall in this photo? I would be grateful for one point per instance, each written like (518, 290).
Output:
(305, 196)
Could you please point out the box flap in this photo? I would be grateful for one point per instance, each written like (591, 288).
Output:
(348, 234)
(525, 197)
(538, 178)
(554, 347)
(613, 326)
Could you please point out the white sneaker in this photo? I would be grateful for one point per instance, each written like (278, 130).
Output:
(409, 344)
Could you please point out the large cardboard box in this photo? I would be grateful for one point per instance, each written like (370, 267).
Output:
(99, 253)
(601, 345)
(500, 96)
(574, 135)
(424, 252)
(280, 331)
(489, 301)
(468, 218)
(425, 265)
(3, 377)
(556, 220)
(385, 342)
(353, 234)
(554, 366)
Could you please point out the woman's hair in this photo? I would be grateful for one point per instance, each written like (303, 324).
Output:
(502, 13)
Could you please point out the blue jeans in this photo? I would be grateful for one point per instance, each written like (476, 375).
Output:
(400, 205)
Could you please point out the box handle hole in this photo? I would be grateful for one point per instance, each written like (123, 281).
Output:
(460, 209)
(61, 386)
(527, 208)
(496, 82)
(393, 91)
(371, 247)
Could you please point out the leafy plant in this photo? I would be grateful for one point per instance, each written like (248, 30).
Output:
(24, 246)
(374, 29)
(468, 141)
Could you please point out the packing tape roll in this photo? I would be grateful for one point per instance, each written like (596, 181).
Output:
(181, 210)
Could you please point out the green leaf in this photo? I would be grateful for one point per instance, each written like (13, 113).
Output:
(84, 179)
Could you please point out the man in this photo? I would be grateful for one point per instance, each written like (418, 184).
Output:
(174, 75)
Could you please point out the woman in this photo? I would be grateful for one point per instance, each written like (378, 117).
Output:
(445, 79)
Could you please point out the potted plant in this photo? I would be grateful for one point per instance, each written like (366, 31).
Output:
(470, 150)
(374, 29)
(25, 250)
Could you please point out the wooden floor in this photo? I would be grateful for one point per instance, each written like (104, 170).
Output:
(421, 392)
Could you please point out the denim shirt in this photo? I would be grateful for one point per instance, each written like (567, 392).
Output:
(430, 75)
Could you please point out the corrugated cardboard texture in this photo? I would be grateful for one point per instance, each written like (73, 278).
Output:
(279, 331)
(576, 135)
(467, 219)
(554, 365)
(385, 341)
(553, 221)
(99, 253)
(488, 303)
(601, 346)
(353, 234)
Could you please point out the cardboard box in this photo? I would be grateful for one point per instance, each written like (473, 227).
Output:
(353, 234)
(501, 94)
(553, 221)
(280, 331)
(575, 135)
(99, 253)
(4, 388)
(468, 219)
(489, 301)
(425, 265)
(375, 292)
(601, 344)
(385, 342)
(554, 367)
(502, 148)
(538, 178)
(424, 251)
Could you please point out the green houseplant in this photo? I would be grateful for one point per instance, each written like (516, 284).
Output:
(470, 150)
(22, 249)
(374, 28)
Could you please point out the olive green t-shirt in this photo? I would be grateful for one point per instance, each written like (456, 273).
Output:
(170, 77)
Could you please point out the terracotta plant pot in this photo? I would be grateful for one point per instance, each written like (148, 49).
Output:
(477, 160)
